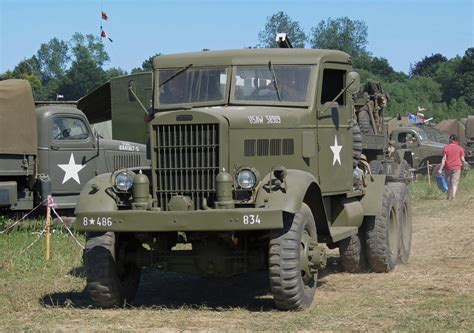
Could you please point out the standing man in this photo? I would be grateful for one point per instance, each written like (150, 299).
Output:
(453, 161)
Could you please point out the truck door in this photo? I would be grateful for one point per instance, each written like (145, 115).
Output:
(71, 156)
(335, 165)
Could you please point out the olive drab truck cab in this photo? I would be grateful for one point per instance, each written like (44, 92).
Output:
(50, 149)
(417, 147)
(257, 164)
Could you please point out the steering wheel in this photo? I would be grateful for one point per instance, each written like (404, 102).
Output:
(64, 134)
(264, 93)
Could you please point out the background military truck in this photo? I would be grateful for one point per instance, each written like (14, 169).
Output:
(51, 149)
(469, 131)
(256, 162)
(415, 146)
(113, 110)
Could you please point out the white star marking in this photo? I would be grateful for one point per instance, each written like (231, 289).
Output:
(336, 150)
(72, 170)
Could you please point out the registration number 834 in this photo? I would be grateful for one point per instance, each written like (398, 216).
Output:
(251, 219)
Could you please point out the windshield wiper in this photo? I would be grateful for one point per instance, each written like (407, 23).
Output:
(182, 70)
(275, 83)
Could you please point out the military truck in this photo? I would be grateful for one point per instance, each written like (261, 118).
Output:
(51, 149)
(112, 109)
(256, 164)
(469, 131)
(416, 147)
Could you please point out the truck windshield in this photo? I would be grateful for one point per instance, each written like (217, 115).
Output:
(257, 83)
(422, 134)
(193, 85)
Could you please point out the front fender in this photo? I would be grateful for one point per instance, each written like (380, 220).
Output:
(287, 197)
(93, 196)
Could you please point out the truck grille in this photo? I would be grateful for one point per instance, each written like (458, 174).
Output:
(187, 162)
(124, 160)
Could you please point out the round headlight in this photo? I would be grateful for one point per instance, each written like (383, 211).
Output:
(123, 181)
(246, 179)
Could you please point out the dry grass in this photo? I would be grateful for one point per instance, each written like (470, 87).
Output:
(434, 291)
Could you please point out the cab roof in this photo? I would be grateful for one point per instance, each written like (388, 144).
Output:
(251, 57)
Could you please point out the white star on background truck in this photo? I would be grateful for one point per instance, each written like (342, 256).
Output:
(72, 170)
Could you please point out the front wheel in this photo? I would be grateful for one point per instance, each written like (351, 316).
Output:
(111, 281)
(293, 276)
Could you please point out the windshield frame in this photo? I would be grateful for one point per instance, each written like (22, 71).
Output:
(310, 92)
(164, 107)
(423, 135)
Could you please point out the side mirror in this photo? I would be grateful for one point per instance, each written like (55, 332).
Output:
(353, 82)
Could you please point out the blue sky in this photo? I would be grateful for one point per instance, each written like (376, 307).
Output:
(402, 31)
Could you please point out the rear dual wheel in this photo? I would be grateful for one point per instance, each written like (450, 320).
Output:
(405, 219)
(383, 235)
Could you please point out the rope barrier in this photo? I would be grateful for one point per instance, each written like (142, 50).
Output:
(53, 207)
(67, 228)
(25, 216)
(33, 243)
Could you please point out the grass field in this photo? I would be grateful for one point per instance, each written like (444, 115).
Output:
(434, 291)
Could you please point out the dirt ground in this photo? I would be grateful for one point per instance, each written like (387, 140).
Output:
(434, 291)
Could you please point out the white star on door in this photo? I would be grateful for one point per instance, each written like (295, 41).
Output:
(72, 170)
(336, 150)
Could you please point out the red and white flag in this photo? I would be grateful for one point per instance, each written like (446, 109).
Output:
(105, 16)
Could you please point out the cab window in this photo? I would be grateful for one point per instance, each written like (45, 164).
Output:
(67, 128)
(333, 83)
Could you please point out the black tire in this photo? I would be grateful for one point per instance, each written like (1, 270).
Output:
(405, 220)
(364, 121)
(356, 144)
(383, 235)
(406, 175)
(353, 254)
(110, 281)
(292, 282)
(376, 167)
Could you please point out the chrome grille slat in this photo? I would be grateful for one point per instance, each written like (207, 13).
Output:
(187, 162)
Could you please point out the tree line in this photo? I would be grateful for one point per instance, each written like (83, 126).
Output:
(445, 87)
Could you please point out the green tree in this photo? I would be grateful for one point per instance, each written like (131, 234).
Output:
(114, 72)
(281, 22)
(147, 65)
(340, 34)
(86, 72)
(428, 65)
(53, 58)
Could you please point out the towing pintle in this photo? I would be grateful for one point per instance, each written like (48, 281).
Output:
(283, 41)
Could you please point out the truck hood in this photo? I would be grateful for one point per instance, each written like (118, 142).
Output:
(433, 144)
(255, 116)
(123, 146)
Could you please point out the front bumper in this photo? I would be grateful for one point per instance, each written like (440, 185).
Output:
(238, 219)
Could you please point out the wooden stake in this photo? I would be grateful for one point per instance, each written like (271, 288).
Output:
(48, 229)
(428, 169)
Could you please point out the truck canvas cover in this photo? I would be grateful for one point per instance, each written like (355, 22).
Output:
(470, 127)
(17, 118)
(453, 126)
